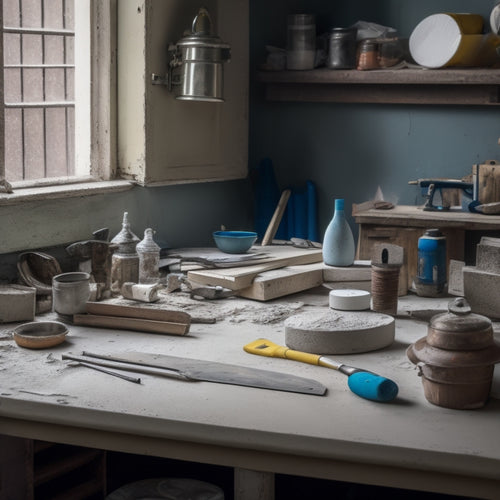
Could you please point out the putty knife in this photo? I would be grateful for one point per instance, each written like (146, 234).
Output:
(366, 384)
(195, 369)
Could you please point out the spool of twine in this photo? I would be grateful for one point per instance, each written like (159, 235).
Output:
(385, 286)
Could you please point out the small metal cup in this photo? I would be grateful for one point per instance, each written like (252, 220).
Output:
(70, 293)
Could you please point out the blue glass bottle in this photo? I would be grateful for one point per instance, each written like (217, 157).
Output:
(338, 242)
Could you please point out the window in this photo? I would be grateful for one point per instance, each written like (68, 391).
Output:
(152, 142)
(52, 114)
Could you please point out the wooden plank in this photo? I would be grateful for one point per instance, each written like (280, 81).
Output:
(276, 218)
(140, 325)
(139, 312)
(487, 177)
(253, 485)
(472, 95)
(445, 76)
(360, 271)
(415, 216)
(16, 468)
(238, 278)
(462, 86)
(281, 282)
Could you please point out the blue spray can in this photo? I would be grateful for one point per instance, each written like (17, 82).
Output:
(431, 272)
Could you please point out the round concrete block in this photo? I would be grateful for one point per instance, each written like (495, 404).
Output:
(349, 300)
(334, 332)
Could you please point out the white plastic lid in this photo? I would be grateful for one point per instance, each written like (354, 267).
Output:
(349, 300)
(435, 40)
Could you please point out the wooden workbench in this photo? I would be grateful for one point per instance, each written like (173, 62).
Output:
(408, 443)
(403, 226)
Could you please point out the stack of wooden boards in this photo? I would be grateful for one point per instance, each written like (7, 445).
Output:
(283, 271)
(140, 318)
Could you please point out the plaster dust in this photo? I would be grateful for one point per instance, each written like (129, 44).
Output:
(232, 309)
(335, 332)
(337, 321)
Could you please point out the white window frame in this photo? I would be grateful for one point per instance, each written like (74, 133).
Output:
(96, 153)
(137, 149)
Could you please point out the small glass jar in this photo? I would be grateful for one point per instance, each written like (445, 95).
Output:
(390, 52)
(342, 48)
(301, 42)
(149, 259)
(367, 57)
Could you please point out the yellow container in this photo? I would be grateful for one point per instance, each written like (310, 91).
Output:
(476, 50)
(469, 24)
(443, 40)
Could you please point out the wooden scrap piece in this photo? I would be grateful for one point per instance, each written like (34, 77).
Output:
(281, 282)
(238, 278)
(137, 324)
(146, 319)
(108, 309)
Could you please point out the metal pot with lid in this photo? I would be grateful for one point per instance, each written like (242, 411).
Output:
(197, 60)
(457, 358)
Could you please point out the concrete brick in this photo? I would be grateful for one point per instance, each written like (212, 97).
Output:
(456, 278)
(17, 303)
(482, 291)
(361, 270)
(488, 254)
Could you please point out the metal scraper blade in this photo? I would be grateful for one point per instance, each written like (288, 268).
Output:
(222, 373)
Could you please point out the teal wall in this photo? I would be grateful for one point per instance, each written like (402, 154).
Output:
(348, 150)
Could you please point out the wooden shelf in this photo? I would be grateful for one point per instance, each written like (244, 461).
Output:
(415, 216)
(471, 86)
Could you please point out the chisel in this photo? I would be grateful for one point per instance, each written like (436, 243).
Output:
(365, 384)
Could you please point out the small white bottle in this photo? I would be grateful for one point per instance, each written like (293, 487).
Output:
(149, 259)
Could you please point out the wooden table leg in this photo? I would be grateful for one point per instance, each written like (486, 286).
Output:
(253, 485)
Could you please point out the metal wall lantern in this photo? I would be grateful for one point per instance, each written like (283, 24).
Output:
(195, 67)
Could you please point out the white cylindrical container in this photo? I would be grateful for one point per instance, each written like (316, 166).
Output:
(349, 300)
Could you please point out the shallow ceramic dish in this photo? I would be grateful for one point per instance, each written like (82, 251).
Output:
(234, 241)
(40, 334)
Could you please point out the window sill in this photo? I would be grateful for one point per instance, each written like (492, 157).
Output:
(27, 194)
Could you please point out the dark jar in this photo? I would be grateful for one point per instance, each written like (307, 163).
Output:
(342, 48)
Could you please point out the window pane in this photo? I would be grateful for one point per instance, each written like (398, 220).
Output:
(11, 48)
(53, 14)
(55, 139)
(31, 13)
(12, 85)
(34, 151)
(55, 84)
(14, 145)
(39, 88)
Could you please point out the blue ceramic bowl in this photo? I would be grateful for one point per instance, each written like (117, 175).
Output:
(234, 241)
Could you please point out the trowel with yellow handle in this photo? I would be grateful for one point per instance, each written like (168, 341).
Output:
(365, 384)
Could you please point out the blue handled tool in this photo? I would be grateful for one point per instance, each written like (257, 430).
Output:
(365, 384)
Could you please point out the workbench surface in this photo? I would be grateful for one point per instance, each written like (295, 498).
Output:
(408, 443)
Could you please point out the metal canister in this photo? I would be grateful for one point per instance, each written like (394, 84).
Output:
(301, 42)
(70, 293)
(431, 267)
(342, 48)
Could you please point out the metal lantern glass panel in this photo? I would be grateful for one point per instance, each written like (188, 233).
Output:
(196, 62)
